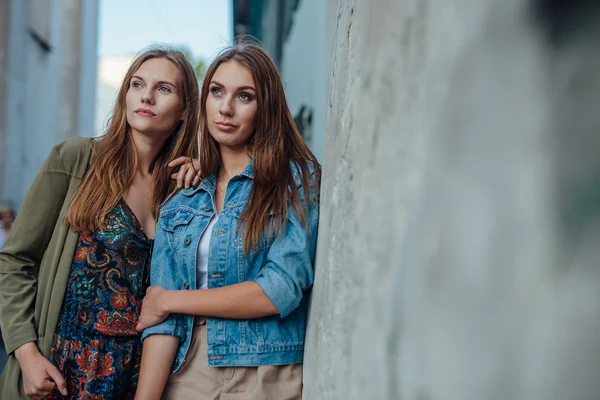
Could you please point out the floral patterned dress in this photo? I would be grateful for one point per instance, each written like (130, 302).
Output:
(96, 346)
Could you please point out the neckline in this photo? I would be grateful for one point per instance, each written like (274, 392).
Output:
(136, 221)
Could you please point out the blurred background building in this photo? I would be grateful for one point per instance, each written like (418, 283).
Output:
(47, 83)
(295, 33)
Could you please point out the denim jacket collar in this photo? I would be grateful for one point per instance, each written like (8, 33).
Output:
(209, 183)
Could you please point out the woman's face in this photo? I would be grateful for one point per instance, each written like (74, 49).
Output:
(231, 105)
(154, 99)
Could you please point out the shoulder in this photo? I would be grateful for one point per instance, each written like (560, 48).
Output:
(72, 150)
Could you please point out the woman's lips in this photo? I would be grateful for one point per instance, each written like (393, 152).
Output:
(226, 127)
(144, 112)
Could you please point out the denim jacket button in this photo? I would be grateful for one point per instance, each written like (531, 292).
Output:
(186, 241)
(186, 286)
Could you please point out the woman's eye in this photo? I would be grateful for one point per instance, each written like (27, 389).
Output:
(245, 97)
(164, 89)
(215, 90)
(136, 85)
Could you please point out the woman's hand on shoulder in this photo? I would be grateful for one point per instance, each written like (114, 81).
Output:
(188, 173)
(153, 310)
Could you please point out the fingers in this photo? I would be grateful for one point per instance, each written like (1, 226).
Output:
(179, 161)
(140, 327)
(142, 323)
(190, 177)
(39, 394)
(181, 175)
(196, 163)
(196, 180)
(188, 173)
(57, 378)
(39, 390)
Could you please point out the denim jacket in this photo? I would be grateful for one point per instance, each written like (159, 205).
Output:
(281, 265)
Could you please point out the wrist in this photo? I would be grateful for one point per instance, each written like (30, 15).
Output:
(26, 350)
(173, 301)
(165, 302)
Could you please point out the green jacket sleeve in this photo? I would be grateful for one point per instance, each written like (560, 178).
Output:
(24, 248)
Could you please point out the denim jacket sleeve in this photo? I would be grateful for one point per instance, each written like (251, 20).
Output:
(288, 271)
(162, 272)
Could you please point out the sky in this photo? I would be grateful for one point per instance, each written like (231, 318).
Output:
(127, 26)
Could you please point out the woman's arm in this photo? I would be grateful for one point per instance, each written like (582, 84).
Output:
(19, 263)
(157, 358)
(161, 341)
(278, 288)
(244, 300)
(20, 258)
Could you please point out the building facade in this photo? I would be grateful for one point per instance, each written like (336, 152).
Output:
(48, 52)
(294, 32)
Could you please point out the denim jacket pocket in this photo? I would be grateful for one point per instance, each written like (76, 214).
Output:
(175, 223)
(240, 226)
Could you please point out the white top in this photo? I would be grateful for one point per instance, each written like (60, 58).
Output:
(202, 256)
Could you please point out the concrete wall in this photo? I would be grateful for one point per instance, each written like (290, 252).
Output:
(50, 85)
(460, 219)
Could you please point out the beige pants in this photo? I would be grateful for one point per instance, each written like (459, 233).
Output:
(198, 381)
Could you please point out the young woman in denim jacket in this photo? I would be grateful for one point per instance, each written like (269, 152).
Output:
(233, 258)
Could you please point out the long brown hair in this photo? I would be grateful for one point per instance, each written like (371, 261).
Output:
(115, 159)
(274, 147)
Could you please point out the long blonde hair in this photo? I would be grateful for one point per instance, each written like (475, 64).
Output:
(115, 159)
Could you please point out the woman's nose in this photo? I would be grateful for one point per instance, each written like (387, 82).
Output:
(226, 108)
(147, 97)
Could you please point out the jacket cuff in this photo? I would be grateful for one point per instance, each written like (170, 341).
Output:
(16, 339)
(278, 291)
(168, 327)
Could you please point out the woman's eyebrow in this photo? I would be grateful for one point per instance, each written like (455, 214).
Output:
(238, 89)
(166, 83)
(159, 82)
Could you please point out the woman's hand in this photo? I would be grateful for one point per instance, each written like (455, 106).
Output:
(188, 174)
(153, 311)
(39, 375)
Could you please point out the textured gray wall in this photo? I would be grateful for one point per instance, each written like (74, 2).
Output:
(460, 228)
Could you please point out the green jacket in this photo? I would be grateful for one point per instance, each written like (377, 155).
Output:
(36, 259)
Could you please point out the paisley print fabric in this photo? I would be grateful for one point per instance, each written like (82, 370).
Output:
(96, 346)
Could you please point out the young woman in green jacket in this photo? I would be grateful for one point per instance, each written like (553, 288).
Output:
(73, 271)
